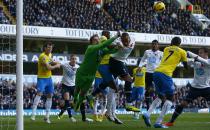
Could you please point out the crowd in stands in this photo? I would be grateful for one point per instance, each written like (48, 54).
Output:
(67, 13)
(204, 4)
(8, 96)
(3, 18)
(139, 15)
(130, 15)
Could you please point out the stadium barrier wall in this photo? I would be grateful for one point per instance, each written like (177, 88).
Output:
(84, 34)
(41, 112)
(32, 79)
(33, 58)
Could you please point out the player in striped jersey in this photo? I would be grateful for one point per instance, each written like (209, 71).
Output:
(68, 86)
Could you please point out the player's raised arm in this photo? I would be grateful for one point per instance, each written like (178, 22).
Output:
(109, 50)
(105, 43)
(198, 58)
(185, 64)
(184, 58)
(143, 59)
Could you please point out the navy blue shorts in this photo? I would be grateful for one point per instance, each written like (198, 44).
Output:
(97, 89)
(163, 84)
(105, 73)
(138, 93)
(68, 89)
(149, 81)
(195, 93)
(117, 68)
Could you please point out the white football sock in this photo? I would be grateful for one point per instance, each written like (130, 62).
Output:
(35, 104)
(104, 104)
(109, 101)
(114, 103)
(154, 105)
(139, 104)
(166, 107)
(95, 106)
(48, 105)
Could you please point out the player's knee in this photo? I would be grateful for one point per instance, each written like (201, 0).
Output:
(128, 86)
(184, 103)
(49, 95)
(61, 103)
(162, 97)
(83, 93)
(127, 78)
(147, 94)
(39, 94)
(66, 96)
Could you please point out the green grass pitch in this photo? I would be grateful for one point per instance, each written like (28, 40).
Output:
(188, 121)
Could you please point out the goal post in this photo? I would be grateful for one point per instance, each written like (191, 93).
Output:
(19, 65)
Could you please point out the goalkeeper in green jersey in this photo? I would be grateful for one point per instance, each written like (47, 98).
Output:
(86, 73)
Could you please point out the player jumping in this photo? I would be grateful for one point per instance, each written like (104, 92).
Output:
(86, 73)
(118, 67)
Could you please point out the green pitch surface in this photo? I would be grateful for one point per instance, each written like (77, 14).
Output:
(189, 121)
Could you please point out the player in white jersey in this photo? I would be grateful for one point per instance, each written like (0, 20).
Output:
(68, 86)
(118, 68)
(200, 87)
(152, 59)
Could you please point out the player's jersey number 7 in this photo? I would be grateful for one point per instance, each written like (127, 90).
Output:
(170, 54)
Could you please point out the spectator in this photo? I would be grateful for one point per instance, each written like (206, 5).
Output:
(130, 15)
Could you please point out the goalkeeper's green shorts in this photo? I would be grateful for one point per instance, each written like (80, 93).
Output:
(84, 82)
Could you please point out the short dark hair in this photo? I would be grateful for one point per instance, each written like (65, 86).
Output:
(155, 42)
(176, 41)
(206, 50)
(104, 32)
(72, 55)
(138, 61)
(92, 37)
(125, 34)
(48, 43)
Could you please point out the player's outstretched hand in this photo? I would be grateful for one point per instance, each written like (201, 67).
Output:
(191, 55)
(119, 33)
(58, 65)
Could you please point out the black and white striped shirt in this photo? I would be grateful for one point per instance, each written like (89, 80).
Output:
(69, 74)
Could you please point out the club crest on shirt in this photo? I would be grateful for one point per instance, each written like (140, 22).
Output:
(199, 71)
